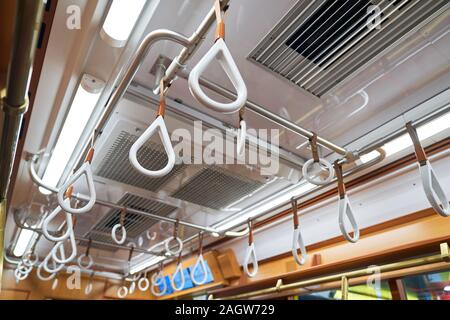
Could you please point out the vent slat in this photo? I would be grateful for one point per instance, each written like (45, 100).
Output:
(320, 44)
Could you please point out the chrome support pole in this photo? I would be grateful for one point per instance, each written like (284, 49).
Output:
(15, 103)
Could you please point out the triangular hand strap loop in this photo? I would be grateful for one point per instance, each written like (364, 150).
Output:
(85, 170)
(433, 190)
(345, 208)
(199, 263)
(158, 279)
(250, 255)
(220, 52)
(159, 125)
(60, 245)
(297, 240)
(179, 272)
(50, 217)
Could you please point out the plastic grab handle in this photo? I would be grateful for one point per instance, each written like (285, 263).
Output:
(433, 190)
(199, 263)
(251, 255)
(60, 245)
(346, 209)
(50, 217)
(178, 271)
(316, 180)
(179, 244)
(85, 170)
(219, 51)
(165, 139)
(297, 243)
(156, 280)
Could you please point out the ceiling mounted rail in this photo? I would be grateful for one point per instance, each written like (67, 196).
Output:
(269, 115)
(443, 256)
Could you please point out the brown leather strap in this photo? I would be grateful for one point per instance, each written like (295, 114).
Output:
(220, 30)
(200, 243)
(421, 156)
(340, 179)
(241, 114)
(123, 213)
(179, 259)
(68, 193)
(175, 228)
(162, 99)
(88, 248)
(314, 148)
(130, 255)
(90, 155)
(250, 232)
(294, 212)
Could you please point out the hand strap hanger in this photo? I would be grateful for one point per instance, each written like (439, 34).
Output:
(60, 246)
(49, 257)
(178, 244)
(433, 189)
(53, 214)
(179, 272)
(324, 165)
(157, 280)
(199, 263)
(85, 261)
(250, 256)
(159, 125)
(90, 284)
(345, 208)
(242, 132)
(85, 170)
(121, 226)
(297, 240)
(220, 52)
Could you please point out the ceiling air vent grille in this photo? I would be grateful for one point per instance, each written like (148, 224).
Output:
(214, 187)
(116, 166)
(134, 223)
(319, 44)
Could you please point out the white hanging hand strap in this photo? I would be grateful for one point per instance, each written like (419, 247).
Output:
(85, 170)
(433, 190)
(297, 240)
(52, 215)
(179, 272)
(120, 226)
(345, 208)
(324, 165)
(220, 52)
(199, 263)
(159, 125)
(85, 261)
(157, 280)
(250, 256)
(176, 239)
(242, 133)
(60, 246)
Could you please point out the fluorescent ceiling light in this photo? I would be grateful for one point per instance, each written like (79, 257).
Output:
(146, 264)
(424, 132)
(22, 242)
(120, 21)
(80, 111)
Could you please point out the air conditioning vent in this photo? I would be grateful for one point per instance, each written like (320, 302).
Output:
(116, 166)
(134, 223)
(214, 187)
(319, 44)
